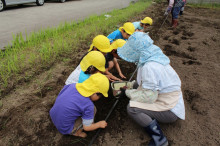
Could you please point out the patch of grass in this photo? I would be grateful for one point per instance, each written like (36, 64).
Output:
(205, 5)
(42, 49)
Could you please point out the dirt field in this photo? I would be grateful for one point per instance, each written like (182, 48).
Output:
(193, 48)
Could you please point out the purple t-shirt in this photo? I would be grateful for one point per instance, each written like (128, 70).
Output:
(70, 105)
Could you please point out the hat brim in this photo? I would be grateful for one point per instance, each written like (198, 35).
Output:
(84, 66)
(125, 30)
(105, 51)
(91, 47)
(145, 22)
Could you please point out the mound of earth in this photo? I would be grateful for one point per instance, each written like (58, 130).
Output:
(193, 48)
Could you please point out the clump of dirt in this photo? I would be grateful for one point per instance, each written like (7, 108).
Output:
(193, 48)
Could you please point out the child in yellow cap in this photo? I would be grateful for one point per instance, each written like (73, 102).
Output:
(143, 24)
(123, 32)
(74, 111)
(89, 65)
(99, 44)
(113, 56)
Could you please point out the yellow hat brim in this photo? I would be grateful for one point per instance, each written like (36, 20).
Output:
(84, 66)
(125, 30)
(89, 86)
(91, 47)
(105, 51)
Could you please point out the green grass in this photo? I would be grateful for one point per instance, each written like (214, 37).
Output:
(205, 5)
(42, 49)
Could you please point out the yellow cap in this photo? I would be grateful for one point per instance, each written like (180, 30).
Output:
(95, 83)
(94, 58)
(147, 20)
(128, 27)
(102, 43)
(118, 43)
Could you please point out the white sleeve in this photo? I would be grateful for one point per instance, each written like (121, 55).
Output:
(74, 76)
(171, 2)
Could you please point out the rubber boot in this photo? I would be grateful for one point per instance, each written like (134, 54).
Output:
(175, 23)
(154, 131)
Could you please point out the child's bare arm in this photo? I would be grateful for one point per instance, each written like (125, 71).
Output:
(110, 76)
(94, 126)
(118, 68)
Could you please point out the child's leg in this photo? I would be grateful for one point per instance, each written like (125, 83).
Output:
(78, 128)
(80, 133)
(111, 65)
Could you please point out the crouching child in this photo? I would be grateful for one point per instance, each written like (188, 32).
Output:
(74, 110)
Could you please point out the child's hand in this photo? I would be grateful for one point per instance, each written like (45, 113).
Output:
(112, 78)
(122, 76)
(102, 124)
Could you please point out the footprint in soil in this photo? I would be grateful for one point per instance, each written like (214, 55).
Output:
(194, 99)
(182, 27)
(214, 39)
(191, 49)
(175, 41)
(176, 32)
(205, 43)
(184, 38)
(190, 62)
(169, 51)
(185, 33)
(166, 37)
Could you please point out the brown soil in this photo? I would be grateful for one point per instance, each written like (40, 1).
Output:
(193, 48)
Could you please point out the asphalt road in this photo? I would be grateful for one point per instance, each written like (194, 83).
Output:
(30, 17)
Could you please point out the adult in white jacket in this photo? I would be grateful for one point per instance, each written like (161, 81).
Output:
(158, 97)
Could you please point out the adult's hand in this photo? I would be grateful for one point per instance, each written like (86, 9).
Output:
(168, 10)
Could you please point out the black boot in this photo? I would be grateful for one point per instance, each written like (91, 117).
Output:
(154, 131)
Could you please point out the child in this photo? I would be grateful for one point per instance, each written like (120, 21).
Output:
(74, 110)
(143, 24)
(89, 65)
(123, 32)
(99, 47)
(113, 56)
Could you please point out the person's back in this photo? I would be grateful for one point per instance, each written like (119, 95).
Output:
(74, 110)
(70, 105)
(115, 35)
(160, 77)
